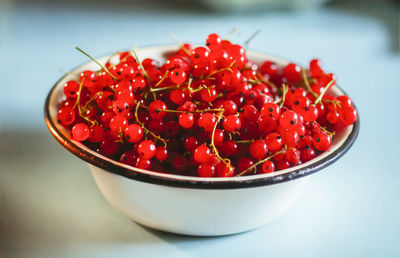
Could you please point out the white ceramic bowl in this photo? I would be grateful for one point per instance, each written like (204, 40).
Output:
(191, 205)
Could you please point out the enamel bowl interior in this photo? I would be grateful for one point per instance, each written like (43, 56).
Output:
(341, 142)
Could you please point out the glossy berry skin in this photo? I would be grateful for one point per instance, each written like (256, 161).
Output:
(292, 72)
(229, 107)
(202, 154)
(155, 109)
(291, 138)
(213, 41)
(186, 120)
(147, 149)
(206, 170)
(283, 164)
(244, 163)
(161, 153)
(307, 154)
(309, 113)
(249, 113)
(133, 133)
(219, 136)
(292, 155)
(345, 101)
(71, 89)
(332, 117)
(96, 134)
(118, 123)
(315, 68)
(268, 167)
(231, 123)
(80, 132)
(66, 115)
(348, 115)
(199, 55)
(230, 148)
(178, 96)
(258, 149)
(224, 170)
(138, 83)
(213, 160)
(207, 121)
(274, 141)
(270, 109)
(128, 158)
(177, 76)
(289, 119)
(267, 124)
(269, 68)
(143, 163)
(191, 143)
(208, 95)
(322, 141)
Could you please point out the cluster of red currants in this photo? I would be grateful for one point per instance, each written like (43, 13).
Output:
(207, 111)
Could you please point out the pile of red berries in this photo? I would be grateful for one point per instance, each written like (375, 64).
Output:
(207, 111)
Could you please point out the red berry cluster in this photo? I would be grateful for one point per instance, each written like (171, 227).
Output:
(207, 111)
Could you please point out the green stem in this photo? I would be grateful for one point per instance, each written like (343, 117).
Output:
(97, 62)
(245, 141)
(179, 44)
(284, 91)
(318, 100)
(212, 145)
(307, 83)
(140, 64)
(221, 70)
(164, 141)
(247, 42)
(260, 162)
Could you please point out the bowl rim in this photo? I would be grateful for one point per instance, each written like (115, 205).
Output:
(173, 180)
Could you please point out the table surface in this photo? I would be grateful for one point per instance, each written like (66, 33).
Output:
(51, 207)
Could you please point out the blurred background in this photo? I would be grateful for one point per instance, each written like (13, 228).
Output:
(49, 203)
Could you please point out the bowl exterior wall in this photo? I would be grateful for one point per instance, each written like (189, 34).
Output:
(199, 212)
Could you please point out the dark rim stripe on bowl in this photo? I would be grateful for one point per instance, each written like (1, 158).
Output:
(187, 183)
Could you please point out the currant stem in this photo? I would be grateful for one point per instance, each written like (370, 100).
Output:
(247, 42)
(318, 100)
(160, 81)
(331, 134)
(78, 98)
(262, 79)
(164, 141)
(230, 33)
(284, 91)
(194, 111)
(228, 68)
(97, 62)
(179, 43)
(172, 87)
(140, 64)
(212, 145)
(92, 99)
(245, 141)
(80, 111)
(307, 83)
(260, 162)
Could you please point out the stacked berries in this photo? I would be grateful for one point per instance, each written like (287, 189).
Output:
(207, 111)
